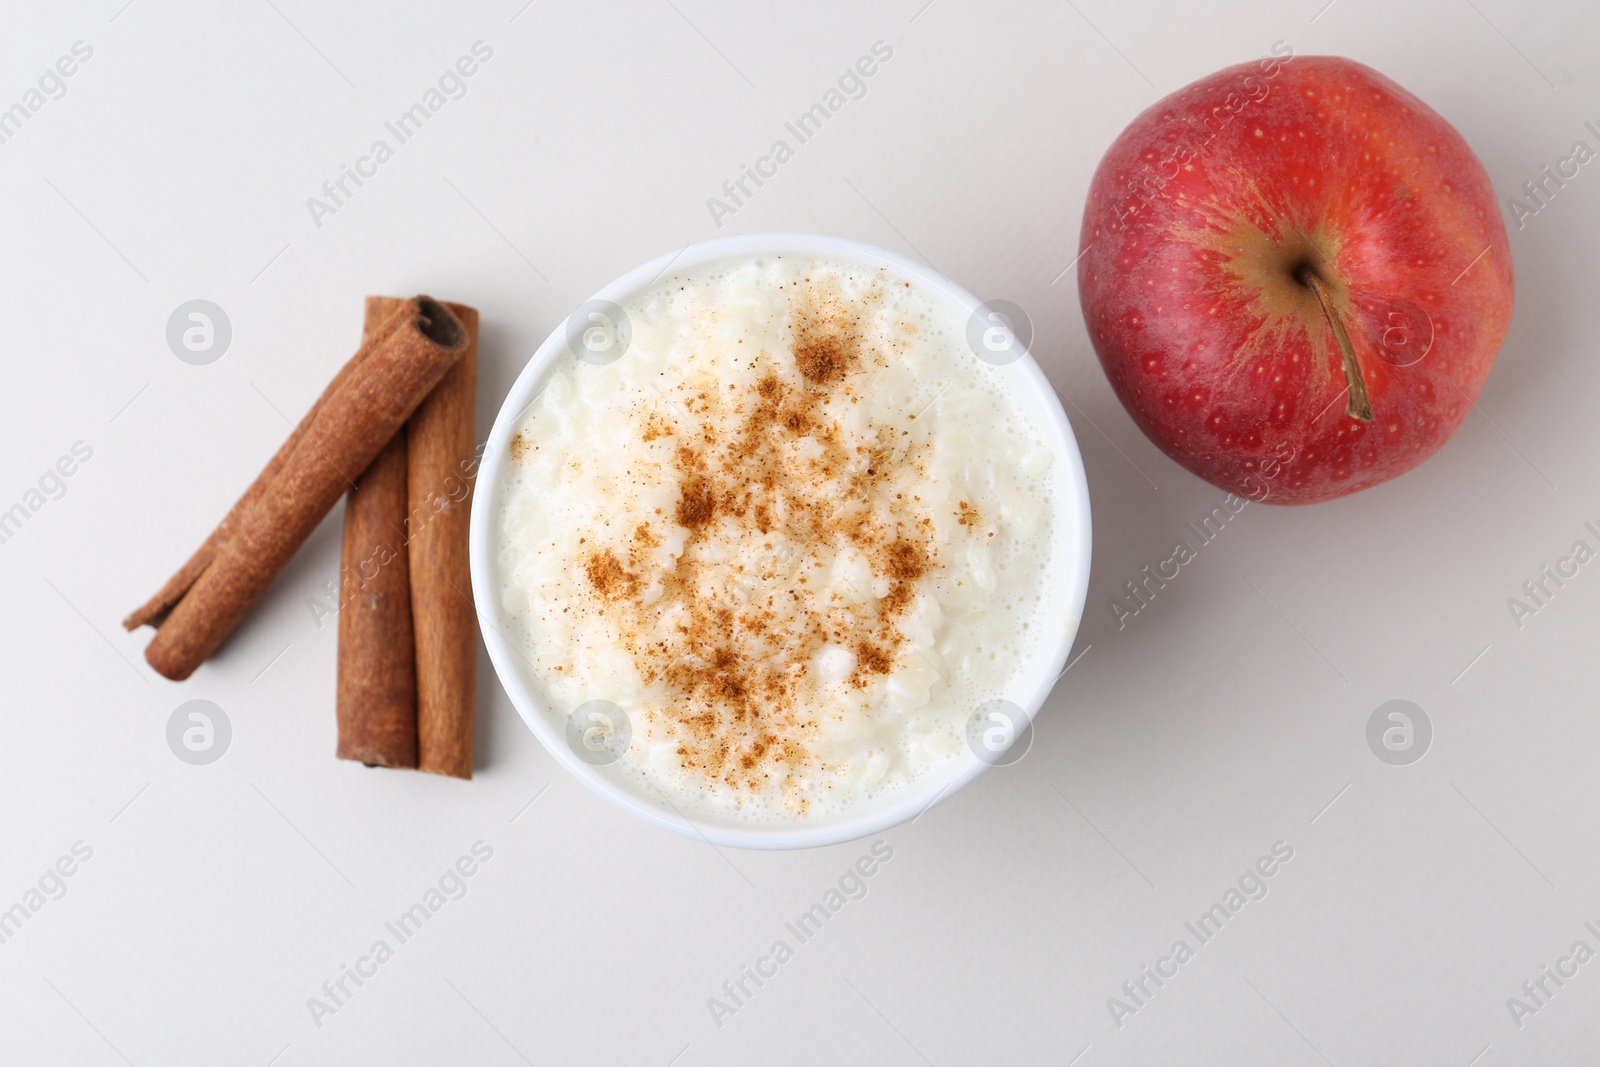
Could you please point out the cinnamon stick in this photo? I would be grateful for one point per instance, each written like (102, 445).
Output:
(440, 457)
(377, 691)
(153, 611)
(356, 416)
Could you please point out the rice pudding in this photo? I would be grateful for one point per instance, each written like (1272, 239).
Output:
(797, 533)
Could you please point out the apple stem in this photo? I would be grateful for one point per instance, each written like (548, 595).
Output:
(1359, 407)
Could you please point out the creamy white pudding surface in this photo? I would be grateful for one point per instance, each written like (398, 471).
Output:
(797, 532)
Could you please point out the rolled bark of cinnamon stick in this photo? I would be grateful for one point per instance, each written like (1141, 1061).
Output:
(440, 455)
(377, 690)
(153, 611)
(356, 417)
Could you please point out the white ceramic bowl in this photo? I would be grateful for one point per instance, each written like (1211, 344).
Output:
(515, 672)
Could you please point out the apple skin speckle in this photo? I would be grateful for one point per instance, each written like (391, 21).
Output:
(1225, 190)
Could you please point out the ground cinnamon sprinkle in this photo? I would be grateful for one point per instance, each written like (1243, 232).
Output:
(654, 427)
(872, 659)
(771, 489)
(607, 576)
(697, 504)
(827, 340)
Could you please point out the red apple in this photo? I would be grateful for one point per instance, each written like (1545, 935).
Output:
(1296, 277)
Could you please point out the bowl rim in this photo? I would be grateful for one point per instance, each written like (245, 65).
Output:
(925, 793)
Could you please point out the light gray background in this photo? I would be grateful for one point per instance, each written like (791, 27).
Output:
(1229, 715)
